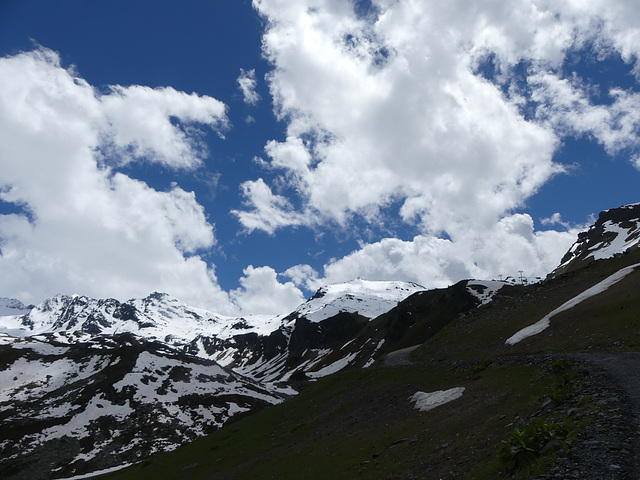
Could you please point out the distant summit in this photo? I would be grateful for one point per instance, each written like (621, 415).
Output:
(11, 306)
(365, 297)
(617, 231)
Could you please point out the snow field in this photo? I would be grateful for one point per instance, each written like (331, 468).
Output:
(367, 298)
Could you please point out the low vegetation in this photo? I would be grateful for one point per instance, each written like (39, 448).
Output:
(523, 406)
(361, 424)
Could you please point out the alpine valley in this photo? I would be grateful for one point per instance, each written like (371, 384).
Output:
(364, 380)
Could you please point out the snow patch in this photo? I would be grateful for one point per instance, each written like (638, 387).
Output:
(543, 324)
(98, 472)
(428, 401)
(334, 367)
(485, 290)
(618, 245)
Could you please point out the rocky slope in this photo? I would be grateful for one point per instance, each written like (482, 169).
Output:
(83, 375)
(617, 231)
(73, 404)
(362, 423)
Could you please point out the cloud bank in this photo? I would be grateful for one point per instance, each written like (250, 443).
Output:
(81, 226)
(421, 129)
(453, 112)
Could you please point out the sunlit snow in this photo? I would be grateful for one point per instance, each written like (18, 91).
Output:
(618, 245)
(367, 298)
(486, 289)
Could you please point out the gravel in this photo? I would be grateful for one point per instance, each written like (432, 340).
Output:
(608, 450)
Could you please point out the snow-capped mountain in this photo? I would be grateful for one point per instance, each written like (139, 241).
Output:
(82, 375)
(162, 317)
(366, 298)
(87, 384)
(70, 405)
(156, 317)
(109, 382)
(11, 306)
(305, 344)
(616, 232)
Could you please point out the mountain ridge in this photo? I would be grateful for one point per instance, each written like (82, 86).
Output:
(339, 328)
(615, 232)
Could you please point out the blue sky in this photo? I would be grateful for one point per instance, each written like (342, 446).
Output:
(388, 140)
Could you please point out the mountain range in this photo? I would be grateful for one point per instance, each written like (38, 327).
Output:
(93, 384)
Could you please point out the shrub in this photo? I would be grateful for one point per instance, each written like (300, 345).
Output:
(564, 385)
(537, 439)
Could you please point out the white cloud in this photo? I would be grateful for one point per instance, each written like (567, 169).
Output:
(565, 107)
(391, 108)
(247, 84)
(140, 124)
(385, 113)
(368, 127)
(304, 276)
(87, 228)
(555, 219)
(509, 246)
(260, 292)
(269, 211)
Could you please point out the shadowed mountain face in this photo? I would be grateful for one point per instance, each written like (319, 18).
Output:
(90, 384)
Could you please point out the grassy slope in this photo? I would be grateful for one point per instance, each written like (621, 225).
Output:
(360, 423)
(607, 322)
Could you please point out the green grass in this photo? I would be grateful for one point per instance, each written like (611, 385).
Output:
(360, 423)
(608, 322)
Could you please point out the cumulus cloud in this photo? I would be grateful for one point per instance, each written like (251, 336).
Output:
(392, 109)
(141, 126)
(269, 211)
(441, 117)
(80, 225)
(247, 84)
(260, 292)
(305, 276)
(565, 106)
(509, 246)
(392, 106)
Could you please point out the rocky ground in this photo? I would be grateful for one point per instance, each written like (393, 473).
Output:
(398, 358)
(610, 448)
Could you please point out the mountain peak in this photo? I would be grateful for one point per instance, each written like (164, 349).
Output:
(616, 231)
(12, 306)
(368, 298)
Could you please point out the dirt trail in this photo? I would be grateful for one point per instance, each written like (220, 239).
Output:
(624, 368)
(398, 358)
